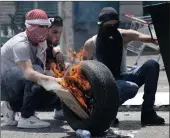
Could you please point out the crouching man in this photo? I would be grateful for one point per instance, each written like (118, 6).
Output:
(54, 53)
(24, 85)
(109, 47)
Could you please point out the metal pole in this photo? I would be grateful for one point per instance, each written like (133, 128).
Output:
(65, 10)
(62, 42)
(35, 4)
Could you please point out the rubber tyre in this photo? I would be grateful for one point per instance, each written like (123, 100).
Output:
(106, 97)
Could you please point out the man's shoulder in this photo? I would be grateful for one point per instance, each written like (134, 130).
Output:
(91, 41)
(126, 35)
(19, 38)
(94, 36)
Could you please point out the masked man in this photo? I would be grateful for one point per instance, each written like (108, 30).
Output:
(24, 86)
(109, 47)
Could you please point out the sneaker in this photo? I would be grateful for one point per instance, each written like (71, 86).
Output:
(151, 118)
(8, 114)
(32, 122)
(58, 114)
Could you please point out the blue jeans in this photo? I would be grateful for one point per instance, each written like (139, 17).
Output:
(24, 95)
(147, 75)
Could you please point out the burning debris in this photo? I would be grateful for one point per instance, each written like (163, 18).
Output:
(75, 56)
(73, 78)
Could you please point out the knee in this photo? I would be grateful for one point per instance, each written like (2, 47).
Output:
(152, 64)
(127, 89)
(36, 88)
(133, 89)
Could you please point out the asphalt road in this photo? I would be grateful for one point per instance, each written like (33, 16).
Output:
(129, 127)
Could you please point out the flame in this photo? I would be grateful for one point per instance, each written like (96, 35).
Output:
(75, 56)
(73, 78)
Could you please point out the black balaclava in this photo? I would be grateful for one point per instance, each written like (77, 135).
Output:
(107, 14)
(109, 44)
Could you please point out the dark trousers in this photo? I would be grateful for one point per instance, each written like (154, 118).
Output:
(147, 75)
(26, 96)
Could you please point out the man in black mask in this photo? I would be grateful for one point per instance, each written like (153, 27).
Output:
(109, 39)
(109, 47)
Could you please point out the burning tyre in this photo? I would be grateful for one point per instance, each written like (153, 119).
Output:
(95, 92)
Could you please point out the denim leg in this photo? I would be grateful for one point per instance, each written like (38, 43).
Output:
(50, 99)
(31, 99)
(146, 74)
(24, 95)
(37, 98)
(11, 83)
(127, 90)
(12, 87)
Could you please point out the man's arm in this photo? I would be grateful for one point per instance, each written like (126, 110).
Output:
(58, 55)
(32, 75)
(88, 49)
(22, 58)
(132, 35)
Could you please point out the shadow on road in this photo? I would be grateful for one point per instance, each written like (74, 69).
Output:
(57, 127)
(109, 134)
(133, 125)
(129, 125)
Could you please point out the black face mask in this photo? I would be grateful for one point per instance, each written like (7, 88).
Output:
(110, 29)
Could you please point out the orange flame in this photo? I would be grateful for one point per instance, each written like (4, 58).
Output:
(73, 80)
(73, 55)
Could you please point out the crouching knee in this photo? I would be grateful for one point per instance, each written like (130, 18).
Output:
(127, 89)
(133, 89)
(152, 64)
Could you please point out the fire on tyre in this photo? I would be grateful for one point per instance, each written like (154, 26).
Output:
(73, 78)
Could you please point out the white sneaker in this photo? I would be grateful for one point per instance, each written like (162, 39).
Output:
(8, 114)
(32, 122)
(58, 114)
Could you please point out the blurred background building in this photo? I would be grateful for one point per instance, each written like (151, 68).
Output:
(80, 18)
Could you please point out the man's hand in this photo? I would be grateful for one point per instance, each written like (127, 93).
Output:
(60, 60)
(155, 41)
(59, 57)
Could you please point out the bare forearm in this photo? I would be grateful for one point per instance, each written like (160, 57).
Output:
(48, 82)
(132, 35)
(146, 38)
(39, 78)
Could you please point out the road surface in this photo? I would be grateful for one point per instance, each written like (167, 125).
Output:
(129, 127)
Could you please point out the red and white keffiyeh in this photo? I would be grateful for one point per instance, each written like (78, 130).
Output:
(34, 19)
